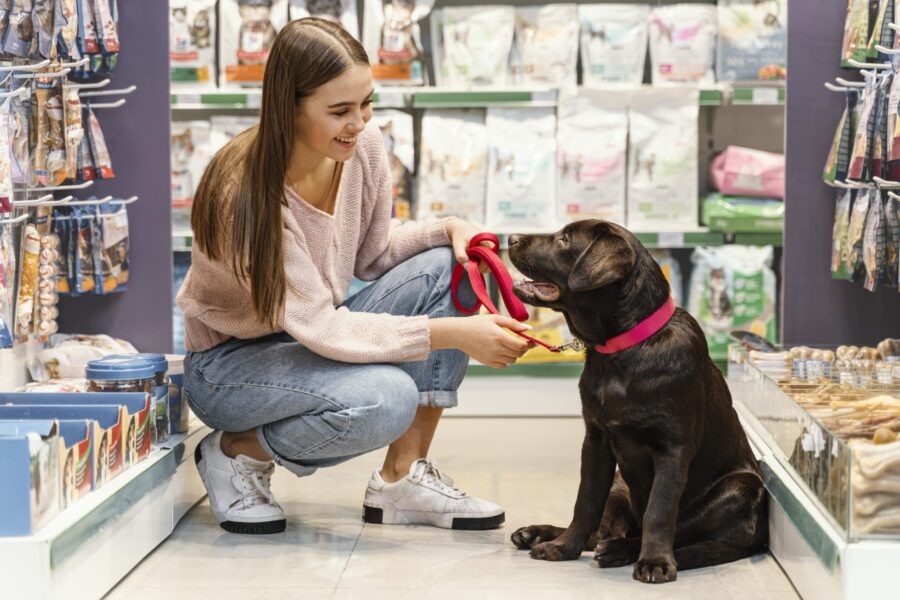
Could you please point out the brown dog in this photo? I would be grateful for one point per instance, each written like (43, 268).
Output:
(689, 492)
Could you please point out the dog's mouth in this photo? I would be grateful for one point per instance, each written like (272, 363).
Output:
(542, 290)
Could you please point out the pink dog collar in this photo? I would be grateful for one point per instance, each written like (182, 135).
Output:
(641, 331)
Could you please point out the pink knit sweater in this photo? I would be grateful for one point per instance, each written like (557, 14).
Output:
(321, 255)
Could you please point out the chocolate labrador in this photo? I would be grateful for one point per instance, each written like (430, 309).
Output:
(688, 492)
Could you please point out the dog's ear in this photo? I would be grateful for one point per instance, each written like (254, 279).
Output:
(608, 259)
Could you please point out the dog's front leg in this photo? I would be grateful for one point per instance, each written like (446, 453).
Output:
(598, 467)
(656, 563)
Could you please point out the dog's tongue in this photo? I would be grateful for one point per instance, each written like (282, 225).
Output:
(544, 291)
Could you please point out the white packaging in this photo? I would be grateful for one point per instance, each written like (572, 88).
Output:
(397, 130)
(190, 155)
(593, 155)
(392, 38)
(662, 159)
(224, 128)
(339, 11)
(192, 42)
(471, 45)
(521, 188)
(613, 43)
(683, 43)
(752, 40)
(248, 28)
(546, 46)
(453, 157)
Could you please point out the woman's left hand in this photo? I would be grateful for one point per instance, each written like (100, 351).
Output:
(461, 232)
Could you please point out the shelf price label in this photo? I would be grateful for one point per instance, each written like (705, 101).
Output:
(765, 95)
(670, 239)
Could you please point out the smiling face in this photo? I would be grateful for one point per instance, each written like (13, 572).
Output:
(329, 120)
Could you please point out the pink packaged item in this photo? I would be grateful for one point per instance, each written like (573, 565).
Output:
(747, 172)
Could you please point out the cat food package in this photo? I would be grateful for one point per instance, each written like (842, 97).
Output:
(248, 28)
(339, 11)
(522, 174)
(392, 38)
(747, 172)
(613, 43)
(471, 45)
(192, 42)
(662, 162)
(224, 128)
(593, 155)
(752, 40)
(190, 155)
(397, 130)
(856, 32)
(546, 48)
(683, 43)
(733, 287)
(453, 157)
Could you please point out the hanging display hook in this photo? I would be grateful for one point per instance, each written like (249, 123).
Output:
(96, 202)
(860, 65)
(850, 84)
(90, 86)
(886, 50)
(60, 188)
(21, 92)
(885, 184)
(77, 64)
(43, 74)
(115, 104)
(120, 92)
(15, 220)
(34, 67)
(126, 201)
(47, 200)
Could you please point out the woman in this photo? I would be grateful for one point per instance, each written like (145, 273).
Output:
(280, 364)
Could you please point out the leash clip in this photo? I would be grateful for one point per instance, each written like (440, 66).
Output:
(575, 344)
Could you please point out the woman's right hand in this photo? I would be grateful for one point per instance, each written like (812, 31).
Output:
(482, 337)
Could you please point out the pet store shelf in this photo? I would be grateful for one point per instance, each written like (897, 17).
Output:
(755, 239)
(182, 240)
(761, 95)
(439, 98)
(92, 545)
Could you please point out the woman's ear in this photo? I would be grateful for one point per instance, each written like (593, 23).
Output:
(607, 260)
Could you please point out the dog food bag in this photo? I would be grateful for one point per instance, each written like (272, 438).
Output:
(522, 173)
(733, 287)
(752, 40)
(662, 162)
(546, 46)
(392, 38)
(248, 28)
(593, 155)
(397, 131)
(453, 159)
(683, 43)
(192, 42)
(472, 45)
(672, 272)
(613, 43)
(856, 32)
(339, 11)
(190, 155)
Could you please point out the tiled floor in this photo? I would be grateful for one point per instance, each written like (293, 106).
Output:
(528, 465)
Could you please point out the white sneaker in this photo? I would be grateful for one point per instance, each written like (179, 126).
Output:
(238, 489)
(425, 497)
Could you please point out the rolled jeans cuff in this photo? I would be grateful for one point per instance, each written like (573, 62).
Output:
(438, 399)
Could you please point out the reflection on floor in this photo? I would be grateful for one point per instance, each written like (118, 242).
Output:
(530, 466)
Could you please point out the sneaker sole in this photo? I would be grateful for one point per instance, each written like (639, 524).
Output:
(375, 516)
(261, 528)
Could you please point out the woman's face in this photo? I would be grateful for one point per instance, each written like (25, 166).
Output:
(330, 119)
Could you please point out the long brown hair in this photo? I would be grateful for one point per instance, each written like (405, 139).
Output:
(236, 216)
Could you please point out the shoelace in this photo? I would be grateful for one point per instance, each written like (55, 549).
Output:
(255, 484)
(431, 476)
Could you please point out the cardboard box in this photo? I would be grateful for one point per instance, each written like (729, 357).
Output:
(29, 469)
(76, 470)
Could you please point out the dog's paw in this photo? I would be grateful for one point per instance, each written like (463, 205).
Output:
(655, 570)
(554, 551)
(526, 538)
(616, 552)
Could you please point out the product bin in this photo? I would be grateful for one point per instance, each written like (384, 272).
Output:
(30, 454)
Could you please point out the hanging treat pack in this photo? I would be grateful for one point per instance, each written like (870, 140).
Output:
(190, 155)
(192, 42)
(838, 161)
(248, 30)
(752, 40)
(65, 23)
(31, 249)
(471, 45)
(613, 43)
(339, 11)
(662, 163)
(683, 43)
(42, 18)
(392, 38)
(7, 286)
(20, 34)
(112, 249)
(48, 122)
(856, 32)
(874, 243)
(593, 155)
(6, 189)
(99, 153)
(453, 160)
(546, 48)
(839, 250)
(860, 154)
(397, 130)
(892, 241)
(522, 174)
(74, 129)
(856, 233)
(20, 135)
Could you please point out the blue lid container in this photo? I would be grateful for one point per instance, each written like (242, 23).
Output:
(159, 362)
(122, 368)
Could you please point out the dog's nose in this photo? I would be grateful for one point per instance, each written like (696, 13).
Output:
(514, 239)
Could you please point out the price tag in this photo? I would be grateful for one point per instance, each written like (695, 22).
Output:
(188, 99)
(544, 96)
(670, 240)
(765, 95)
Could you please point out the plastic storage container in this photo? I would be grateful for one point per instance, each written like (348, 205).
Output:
(124, 374)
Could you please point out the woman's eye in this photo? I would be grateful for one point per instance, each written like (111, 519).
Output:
(340, 114)
(367, 102)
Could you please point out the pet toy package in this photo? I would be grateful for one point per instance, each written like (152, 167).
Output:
(339, 11)
(683, 43)
(752, 40)
(192, 42)
(522, 173)
(613, 43)
(546, 48)
(453, 159)
(593, 155)
(471, 45)
(662, 163)
(392, 38)
(397, 130)
(248, 30)
(190, 154)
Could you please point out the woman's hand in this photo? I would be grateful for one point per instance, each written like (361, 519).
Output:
(460, 233)
(483, 337)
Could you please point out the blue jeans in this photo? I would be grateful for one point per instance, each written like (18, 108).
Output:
(311, 412)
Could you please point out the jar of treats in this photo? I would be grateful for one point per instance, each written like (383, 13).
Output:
(161, 396)
(122, 374)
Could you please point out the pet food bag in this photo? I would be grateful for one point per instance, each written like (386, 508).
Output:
(521, 183)
(339, 11)
(683, 43)
(593, 155)
(471, 45)
(546, 48)
(662, 161)
(190, 155)
(192, 42)
(392, 38)
(733, 287)
(613, 43)
(752, 40)
(747, 172)
(248, 30)
(453, 157)
(397, 130)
